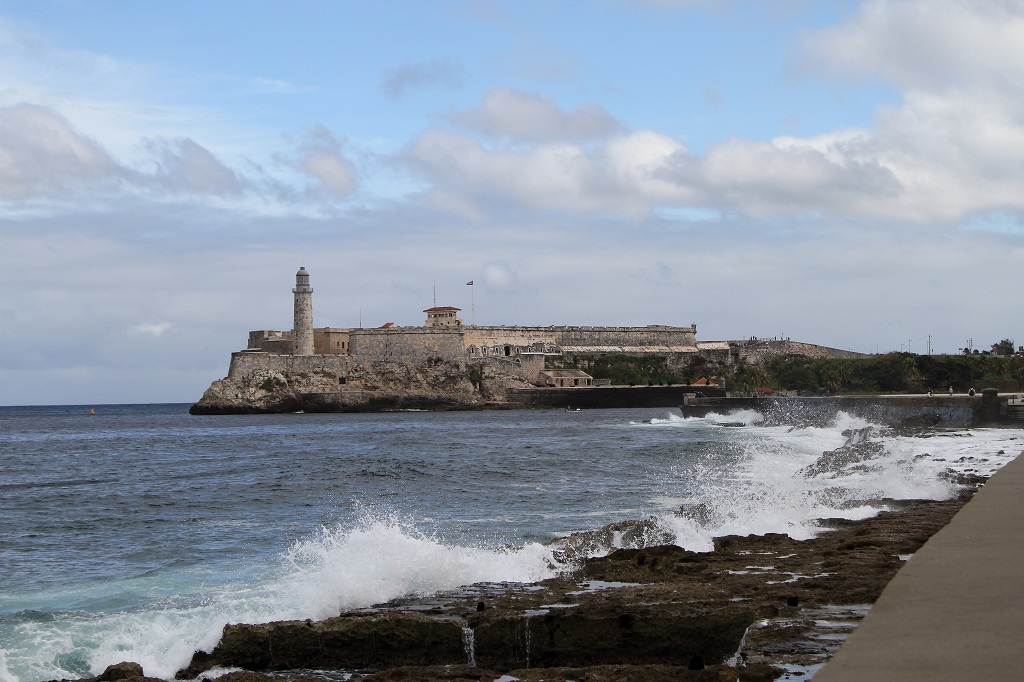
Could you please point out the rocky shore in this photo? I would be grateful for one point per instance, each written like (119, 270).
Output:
(754, 608)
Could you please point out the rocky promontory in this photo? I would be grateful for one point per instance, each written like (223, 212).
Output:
(433, 384)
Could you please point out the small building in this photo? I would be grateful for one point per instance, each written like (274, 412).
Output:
(443, 316)
(566, 378)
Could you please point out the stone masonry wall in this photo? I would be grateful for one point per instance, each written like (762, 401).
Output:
(654, 335)
(548, 339)
(411, 345)
(760, 352)
(244, 363)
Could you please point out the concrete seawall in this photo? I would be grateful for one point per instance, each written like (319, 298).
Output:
(607, 396)
(955, 411)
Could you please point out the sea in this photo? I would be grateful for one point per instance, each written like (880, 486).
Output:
(136, 532)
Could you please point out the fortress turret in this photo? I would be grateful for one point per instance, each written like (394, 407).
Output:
(303, 314)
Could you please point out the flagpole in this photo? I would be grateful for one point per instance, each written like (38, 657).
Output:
(472, 297)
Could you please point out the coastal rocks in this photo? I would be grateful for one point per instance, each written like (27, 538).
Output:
(373, 640)
(592, 673)
(750, 608)
(382, 385)
(603, 633)
(126, 671)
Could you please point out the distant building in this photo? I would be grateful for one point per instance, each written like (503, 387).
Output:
(443, 316)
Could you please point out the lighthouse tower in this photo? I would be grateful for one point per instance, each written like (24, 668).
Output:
(303, 314)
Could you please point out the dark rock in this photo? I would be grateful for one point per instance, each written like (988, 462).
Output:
(594, 673)
(646, 613)
(611, 633)
(121, 671)
(127, 670)
(367, 640)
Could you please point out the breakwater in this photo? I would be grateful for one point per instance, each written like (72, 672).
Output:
(987, 408)
(609, 396)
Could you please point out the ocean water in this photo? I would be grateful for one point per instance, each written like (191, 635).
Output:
(137, 532)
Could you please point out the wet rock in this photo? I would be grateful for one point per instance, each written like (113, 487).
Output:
(605, 633)
(126, 670)
(370, 640)
(649, 612)
(594, 673)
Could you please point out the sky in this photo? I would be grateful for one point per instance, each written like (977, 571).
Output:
(843, 173)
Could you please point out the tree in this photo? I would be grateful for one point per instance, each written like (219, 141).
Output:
(1004, 347)
(835, 374)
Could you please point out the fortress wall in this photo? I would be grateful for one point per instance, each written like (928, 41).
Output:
(524, 338)
(655, 335)
(412, 345)
(759, 352)
(331, 341)
(271, 341)
(246, 362)
(547, 338)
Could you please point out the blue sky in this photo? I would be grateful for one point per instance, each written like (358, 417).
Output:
(843, 173)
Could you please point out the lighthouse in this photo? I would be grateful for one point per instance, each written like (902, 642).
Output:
(303, 314)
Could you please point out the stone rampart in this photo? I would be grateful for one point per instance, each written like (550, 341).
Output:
(759, 352)
(411, 345)
(509, 341)
(512, 340)
(625, 337)
(244, 363)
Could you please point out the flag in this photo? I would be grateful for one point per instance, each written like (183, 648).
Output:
(469, 283)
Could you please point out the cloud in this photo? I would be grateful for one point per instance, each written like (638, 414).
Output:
(526, 116)
(152, 329)
(184, 166)
(422, 75)
(554, 176)
(42, 155)
(320, 158)
(927, 44)
(499, 275)
(953, 148)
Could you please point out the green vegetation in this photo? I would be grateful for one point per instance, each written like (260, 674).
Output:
(894, 373)
(889, 373)
(1004, 347)
(273, 383)
(625, 370)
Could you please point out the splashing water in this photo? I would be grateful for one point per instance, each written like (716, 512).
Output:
(334, 570)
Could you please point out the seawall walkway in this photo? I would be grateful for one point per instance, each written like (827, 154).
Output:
(955, 611)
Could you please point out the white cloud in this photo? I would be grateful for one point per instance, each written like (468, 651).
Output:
(157, 329)
(499, 275)
(41, 155)
(927, 44)
(320, 158)
(182, 165)
(952, 149)
(527, 116)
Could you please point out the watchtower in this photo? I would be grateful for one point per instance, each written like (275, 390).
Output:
(303, 330)
(443, 316)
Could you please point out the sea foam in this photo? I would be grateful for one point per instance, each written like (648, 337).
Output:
(334, 569)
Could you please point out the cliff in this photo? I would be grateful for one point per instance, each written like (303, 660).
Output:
(260, 383)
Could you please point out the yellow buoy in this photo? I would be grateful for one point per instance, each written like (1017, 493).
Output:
(92, 411)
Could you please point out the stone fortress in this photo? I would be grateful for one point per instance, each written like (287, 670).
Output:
(444, 363)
